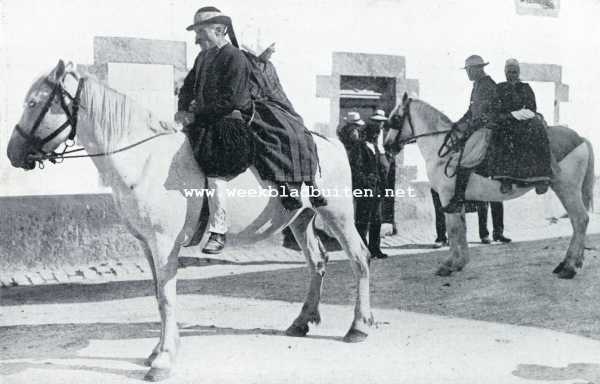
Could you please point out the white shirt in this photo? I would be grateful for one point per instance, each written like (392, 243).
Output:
(371, 147)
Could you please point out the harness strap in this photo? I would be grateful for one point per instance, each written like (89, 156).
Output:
(61, 155)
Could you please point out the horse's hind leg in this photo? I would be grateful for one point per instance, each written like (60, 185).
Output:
(339, 218)
(162, 251)
(459, 251)
(569, 194)
(316, 258)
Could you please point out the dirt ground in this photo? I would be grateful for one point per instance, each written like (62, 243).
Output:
(503, 284)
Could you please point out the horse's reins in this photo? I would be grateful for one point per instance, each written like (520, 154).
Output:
(451, 142)
(72, 116)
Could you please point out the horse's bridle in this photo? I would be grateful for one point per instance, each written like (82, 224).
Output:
(59, 91)
(452, 142)
(399, 124)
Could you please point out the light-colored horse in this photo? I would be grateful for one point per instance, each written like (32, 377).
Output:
(417, 120)
(148, 183)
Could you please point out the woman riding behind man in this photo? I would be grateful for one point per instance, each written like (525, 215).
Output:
(520, 151)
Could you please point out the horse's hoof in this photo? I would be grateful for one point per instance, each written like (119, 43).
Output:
(443, 271)
(567, 273)
(150, 359)
(355, 336)
(559, 267)
(158, 374)
(297, 331)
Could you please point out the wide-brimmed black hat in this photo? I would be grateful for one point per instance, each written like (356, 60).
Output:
(209, 15)
(212, 15)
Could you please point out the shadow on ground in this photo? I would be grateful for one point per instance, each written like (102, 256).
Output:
(64, 341)
(577, 371)
(510, 283)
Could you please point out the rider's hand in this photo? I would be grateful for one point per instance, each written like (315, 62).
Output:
(184, 118)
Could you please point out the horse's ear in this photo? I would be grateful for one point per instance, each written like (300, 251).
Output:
(59, 71)
(70, 67)
(405, 98)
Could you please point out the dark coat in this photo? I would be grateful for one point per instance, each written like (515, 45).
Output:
(344, 133)
(482, 107)
(277, 143)
(368, 173)
(519, 150)
(219, 85)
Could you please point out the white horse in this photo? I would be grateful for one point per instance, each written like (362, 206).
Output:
(415, 120)
(148, 182)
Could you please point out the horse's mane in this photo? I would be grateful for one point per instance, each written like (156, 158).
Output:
(431, 115)
(118, 119)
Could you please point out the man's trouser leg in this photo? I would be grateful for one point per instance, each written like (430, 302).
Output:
(458, 200)
(217, 205)
(497, 218)
(375, 227)
(482, 214)
(440, 218)
(361, 217)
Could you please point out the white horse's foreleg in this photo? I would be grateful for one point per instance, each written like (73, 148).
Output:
(164, 251)
(317, 259)
(459, 251)
(340, 220)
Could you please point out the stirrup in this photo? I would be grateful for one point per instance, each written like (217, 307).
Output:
(291, 203)
(540, 189)
(454, 206)
(318, 201)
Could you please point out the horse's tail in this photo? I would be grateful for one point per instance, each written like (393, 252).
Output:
(587, 189)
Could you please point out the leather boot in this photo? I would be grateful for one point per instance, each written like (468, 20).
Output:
(215, 244)
(505, 186)
(541, 188)
(456, 203)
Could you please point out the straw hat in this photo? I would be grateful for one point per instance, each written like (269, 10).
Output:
(379, 115)
(353, 117)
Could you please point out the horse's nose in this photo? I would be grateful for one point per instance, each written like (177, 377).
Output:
(18, 155)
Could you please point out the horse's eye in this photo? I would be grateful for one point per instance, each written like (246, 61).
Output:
(31, 103)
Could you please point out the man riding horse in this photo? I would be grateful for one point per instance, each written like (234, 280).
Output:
(232, 126)
(478, 121)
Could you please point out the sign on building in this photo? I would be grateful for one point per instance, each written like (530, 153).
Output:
(538, 7)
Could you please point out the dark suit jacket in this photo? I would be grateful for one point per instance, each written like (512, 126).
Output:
(367, 170)
(483, 106)
(219, 83)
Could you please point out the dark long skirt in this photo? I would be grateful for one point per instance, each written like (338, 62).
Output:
(285, 149)
(520, 152)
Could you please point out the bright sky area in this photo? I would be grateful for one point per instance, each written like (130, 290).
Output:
(434, 36)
